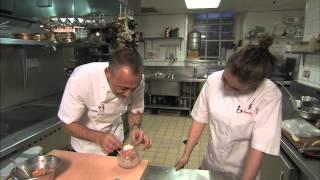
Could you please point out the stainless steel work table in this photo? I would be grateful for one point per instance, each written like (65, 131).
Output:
(169, 173)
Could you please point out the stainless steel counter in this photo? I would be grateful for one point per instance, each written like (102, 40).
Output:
(27, 122)
(175, 79)
(167, 173)
(20, 138)
(309, 166)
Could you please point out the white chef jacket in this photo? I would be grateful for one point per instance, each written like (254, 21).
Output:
(238, 122)
(88, 99)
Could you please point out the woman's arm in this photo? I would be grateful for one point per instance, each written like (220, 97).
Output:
(252, 164)
(194, 135)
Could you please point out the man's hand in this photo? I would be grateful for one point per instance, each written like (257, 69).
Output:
(109, 143)
(138, 137)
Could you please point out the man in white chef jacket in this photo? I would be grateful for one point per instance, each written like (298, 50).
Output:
(97, 95)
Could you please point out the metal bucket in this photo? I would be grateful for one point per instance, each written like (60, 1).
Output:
(194, 40)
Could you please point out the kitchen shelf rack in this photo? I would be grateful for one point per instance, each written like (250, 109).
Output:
(167, 107)
(10, 41)
(290, 37)
(303, 54)
(164, 39)
(84, 44)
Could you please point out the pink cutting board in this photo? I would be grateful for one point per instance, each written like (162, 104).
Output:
(83, 166)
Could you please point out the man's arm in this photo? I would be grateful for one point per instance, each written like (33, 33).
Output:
(252, 164)
(137, 134)
(134, 119)
(107, 141)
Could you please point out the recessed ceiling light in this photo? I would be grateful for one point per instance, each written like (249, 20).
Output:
(202, 4)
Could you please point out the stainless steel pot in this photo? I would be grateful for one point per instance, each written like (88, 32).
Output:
(194, 40)
(308, 107)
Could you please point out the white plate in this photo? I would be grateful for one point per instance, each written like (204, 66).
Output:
(291, 31)
(279, 29)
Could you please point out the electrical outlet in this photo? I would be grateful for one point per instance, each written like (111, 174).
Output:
(306, 74)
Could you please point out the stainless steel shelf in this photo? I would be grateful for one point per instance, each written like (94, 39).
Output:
(84, 44)
(11, 41)
(162, 38)
(303, 52)
(166, 107)
(202, 61)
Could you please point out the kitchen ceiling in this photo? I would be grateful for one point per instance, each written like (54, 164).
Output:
(178, 6)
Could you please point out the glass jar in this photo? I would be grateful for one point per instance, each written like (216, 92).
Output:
(128, 159)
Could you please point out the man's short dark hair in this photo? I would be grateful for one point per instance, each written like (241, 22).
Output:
(126, 57)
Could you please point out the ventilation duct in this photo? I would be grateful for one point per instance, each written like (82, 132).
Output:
(66, 8)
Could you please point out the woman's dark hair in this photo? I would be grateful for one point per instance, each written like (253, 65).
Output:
(253, 63)
(126, 57)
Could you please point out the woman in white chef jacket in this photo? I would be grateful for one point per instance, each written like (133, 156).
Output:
(243, 111)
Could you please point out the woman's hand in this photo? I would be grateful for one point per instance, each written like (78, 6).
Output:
(182, 162)
(109, 143)
(138, 137)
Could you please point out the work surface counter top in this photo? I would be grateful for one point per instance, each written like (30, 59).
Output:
(310, 166)
(23, 123)
(175, 79)
(160, 173)
(87, 166)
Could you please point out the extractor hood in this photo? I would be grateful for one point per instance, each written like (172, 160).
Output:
(66, 8)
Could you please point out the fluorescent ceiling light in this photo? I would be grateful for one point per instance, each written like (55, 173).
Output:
(202, 4)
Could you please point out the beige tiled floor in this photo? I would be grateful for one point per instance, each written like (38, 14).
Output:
(167, 134)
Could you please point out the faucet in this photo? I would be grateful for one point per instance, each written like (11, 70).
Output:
(170, 75)
(289, 94)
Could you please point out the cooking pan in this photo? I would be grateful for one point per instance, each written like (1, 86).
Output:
(308, 107)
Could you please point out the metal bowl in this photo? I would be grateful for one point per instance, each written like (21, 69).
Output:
(308, 101)
(48, 163)
(310, 112)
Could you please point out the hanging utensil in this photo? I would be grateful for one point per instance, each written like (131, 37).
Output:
(307, 107)
(175, 54)
(167, 57)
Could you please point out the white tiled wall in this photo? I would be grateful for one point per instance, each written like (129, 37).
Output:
(154, 26)
(312, 29)
(269, 20)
